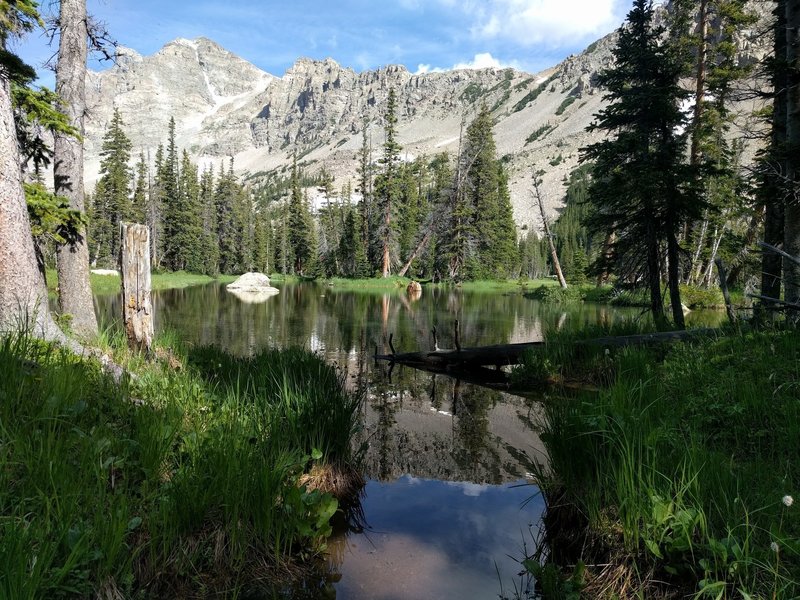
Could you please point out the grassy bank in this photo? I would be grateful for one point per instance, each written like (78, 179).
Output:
(691, 296)
(193, 480)
(110, 284)
(677, 478)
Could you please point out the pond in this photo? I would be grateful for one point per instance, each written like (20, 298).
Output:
(448, 508)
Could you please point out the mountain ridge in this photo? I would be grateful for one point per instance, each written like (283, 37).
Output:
(225, 106)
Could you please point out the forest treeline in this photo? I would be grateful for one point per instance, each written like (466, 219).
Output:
(441, 217)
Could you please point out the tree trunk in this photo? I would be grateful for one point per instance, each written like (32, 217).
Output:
(23, 296)
(422, 243)
(701, 240)
(673, 259)
(716, 241)
(654, 276)
(553, 254)
(75, 293)
(700, 89)
(607, 253)
(137, 307)
(791, 270)
(771, 263)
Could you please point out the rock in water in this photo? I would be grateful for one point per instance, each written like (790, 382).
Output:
(252, 288)
(414, 290)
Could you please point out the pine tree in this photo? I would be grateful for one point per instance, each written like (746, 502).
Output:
(112, 201)
(189, 234)
(262, 242)
(365, 175)
(641, 187)
(140, 191)
(155, 211)
(170, 202)
(228, 221)
(210, 241)
(300, 225)
(388, 189)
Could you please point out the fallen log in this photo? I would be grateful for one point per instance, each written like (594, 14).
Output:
(502, 354)
(649, 339)
(511, 354)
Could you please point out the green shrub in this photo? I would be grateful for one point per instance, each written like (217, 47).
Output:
(695, 297)
(556, 295)
(568, 101)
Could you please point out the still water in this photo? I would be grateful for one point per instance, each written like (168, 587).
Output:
(448, 508)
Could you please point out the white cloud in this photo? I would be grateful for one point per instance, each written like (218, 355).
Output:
(483, 60)
(531, 22)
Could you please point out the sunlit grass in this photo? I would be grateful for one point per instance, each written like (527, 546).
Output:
(134, 489)
(681, 465)
(110, 284)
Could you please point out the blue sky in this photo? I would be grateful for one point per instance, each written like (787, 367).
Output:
(362, 34)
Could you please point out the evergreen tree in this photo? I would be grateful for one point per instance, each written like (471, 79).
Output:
(173, 212)
(641, 187)
(388, 189)
(210, 241)
(140, 191)
(365, 187)
(112, 201)
(188, 235)
(573, 242)
(229, 221)
(483, 242)
(300, 225)
(155, 211)
(262, 242)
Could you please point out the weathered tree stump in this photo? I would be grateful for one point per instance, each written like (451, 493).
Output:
(137, 307)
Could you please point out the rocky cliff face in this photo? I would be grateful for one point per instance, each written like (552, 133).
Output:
(225, 106)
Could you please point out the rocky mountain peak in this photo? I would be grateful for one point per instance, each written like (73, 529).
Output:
(225, 107)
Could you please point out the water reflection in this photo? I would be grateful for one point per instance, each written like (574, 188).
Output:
(441, 454)
(433, 539)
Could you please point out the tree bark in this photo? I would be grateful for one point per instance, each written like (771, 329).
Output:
(791, 270)
(607, 253)
(700, 89)
(75, 293)
(673, 259)
(23, 296)
(775, 197)
(654, 276)
(553, 254)
(137, 306)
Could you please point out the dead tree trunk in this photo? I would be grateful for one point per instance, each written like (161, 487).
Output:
(553, 254)
(137, 308)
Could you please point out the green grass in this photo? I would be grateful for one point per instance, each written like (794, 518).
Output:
(692, 297)
(488, 285)
(110, 284)
(179, 484)
(374, 283)
(680, 464)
